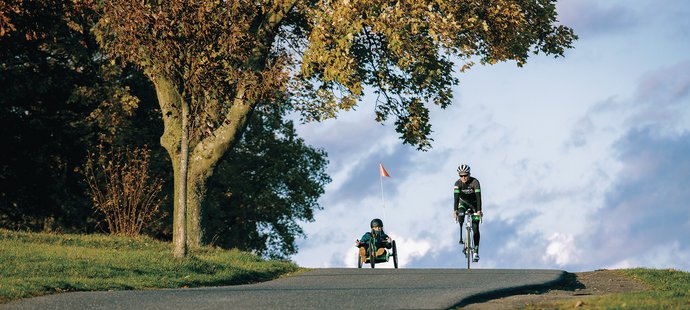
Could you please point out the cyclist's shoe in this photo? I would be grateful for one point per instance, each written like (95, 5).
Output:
(476, 257)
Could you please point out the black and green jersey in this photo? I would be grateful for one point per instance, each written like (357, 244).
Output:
(467, 193)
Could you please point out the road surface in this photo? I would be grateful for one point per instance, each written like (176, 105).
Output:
(317, 289)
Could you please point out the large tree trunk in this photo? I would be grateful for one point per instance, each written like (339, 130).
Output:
(181, 209)
(203, 157)
(170, 103)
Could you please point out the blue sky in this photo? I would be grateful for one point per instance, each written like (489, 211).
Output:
(583, 160)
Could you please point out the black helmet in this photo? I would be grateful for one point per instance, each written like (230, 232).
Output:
(376, 223)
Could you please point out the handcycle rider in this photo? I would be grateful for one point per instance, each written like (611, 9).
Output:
(467, 197)
(375, 235)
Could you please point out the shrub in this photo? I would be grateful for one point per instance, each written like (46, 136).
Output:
(121, 188)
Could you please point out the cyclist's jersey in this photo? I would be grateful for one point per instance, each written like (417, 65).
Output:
(368, 237)
(465, 193)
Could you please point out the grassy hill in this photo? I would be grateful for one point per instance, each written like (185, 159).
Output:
(33, 264)
(669, 289)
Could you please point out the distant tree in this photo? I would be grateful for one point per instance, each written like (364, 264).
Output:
(39, 53)
(59, 98)
(213, 62)
(263, 186)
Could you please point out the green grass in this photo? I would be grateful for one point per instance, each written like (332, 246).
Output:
(33, 264)
(670, 289)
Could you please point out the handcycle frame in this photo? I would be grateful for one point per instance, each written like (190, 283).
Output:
(372, 259)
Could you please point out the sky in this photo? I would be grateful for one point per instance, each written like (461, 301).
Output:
(584, 160)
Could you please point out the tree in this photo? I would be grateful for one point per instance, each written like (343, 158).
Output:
(41, 64)
(213, 62)
(60, 98)
(263, 186)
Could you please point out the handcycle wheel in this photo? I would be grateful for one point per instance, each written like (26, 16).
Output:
(359, 260)
(395, 255)
(372, 255)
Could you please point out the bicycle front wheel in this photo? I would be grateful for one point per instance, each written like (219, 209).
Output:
(469, 247)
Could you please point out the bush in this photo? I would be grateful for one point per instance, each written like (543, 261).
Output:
(121, 188)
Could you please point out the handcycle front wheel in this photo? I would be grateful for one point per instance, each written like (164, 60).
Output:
(372, 255)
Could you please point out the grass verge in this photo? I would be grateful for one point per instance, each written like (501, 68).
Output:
(670, 289)
(33, 264)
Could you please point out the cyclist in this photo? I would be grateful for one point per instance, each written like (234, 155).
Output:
(468, 198)
(375, 235)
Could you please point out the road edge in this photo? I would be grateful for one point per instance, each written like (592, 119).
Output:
(561, 280)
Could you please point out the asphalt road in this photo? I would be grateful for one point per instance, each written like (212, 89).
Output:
(317, 289)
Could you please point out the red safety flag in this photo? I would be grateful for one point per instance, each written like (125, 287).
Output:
(383, 171)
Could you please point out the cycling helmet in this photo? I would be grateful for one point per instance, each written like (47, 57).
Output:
(463, 169)
(376, 223)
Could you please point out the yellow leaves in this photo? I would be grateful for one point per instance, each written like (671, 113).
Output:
(466, 66)
(75, 26)
(347, 43)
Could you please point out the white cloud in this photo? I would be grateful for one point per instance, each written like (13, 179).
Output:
(561, 250)
(410, 249)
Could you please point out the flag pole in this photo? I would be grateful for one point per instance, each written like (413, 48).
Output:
(383, 201)
(382, 171)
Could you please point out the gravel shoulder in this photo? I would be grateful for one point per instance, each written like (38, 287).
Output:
(576, 287)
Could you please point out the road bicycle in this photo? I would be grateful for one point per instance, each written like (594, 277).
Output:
(468, 248)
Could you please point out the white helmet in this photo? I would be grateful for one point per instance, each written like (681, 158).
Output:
(463, 169)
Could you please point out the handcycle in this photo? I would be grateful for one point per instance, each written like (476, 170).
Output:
(372, 259)
(468, 248)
